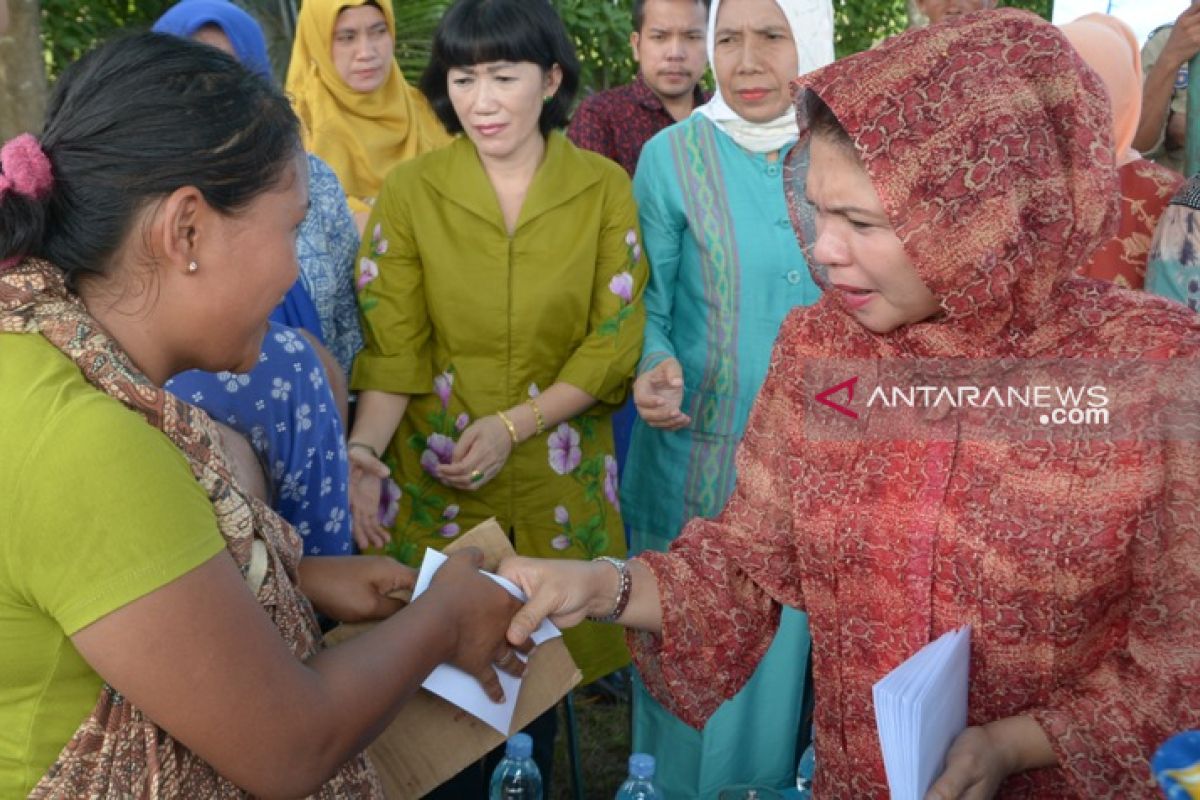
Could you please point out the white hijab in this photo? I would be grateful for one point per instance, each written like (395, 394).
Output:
(811, 22)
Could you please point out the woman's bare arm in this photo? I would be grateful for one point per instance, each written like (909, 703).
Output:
(204, 661)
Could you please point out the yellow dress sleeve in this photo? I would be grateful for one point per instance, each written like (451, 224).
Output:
(397, 355)
(604, 362)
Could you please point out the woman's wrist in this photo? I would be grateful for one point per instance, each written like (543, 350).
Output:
(523, 420)
(1020, 743)
(440, 605)
(509, 426)
(310, 575)
(361, 445)
(611, 589)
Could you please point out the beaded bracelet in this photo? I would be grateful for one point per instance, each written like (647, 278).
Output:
(623, 591)
(537, 416)
(508, 423)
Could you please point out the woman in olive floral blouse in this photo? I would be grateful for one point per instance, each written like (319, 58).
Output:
(500, 291)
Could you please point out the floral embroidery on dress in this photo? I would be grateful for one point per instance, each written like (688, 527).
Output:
(622, 285)
(612, 482)
(597, 475)
(368, 270)
(429, 510)
(450, 529)
(389, 503)
(564, 449)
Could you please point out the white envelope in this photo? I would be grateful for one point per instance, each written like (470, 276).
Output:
(458, 687)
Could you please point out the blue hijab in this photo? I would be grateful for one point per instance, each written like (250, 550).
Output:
(249, 44)
(250, 48)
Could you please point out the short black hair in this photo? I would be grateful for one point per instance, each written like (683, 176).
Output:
(639, 12)
(481, 31)
(824, 123)
(131, 122)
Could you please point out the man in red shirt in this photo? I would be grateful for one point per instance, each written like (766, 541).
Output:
(668, 44)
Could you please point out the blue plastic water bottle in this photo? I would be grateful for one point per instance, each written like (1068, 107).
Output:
(516, 776)
(1176, 766)
(804, 773)
(640, 783)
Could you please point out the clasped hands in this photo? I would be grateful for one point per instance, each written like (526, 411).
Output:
(473, 612)
(658, 396)
(480, 452)
(486, 624)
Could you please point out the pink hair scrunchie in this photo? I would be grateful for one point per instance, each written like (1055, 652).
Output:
(24, 168)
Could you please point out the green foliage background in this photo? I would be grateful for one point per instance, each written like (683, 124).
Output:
(600, 29)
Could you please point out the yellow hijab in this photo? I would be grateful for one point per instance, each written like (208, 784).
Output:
(361, 136)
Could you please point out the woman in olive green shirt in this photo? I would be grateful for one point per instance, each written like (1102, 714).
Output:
(500, 290)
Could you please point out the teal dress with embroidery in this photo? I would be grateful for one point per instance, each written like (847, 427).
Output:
(725, 269)
(467, 319)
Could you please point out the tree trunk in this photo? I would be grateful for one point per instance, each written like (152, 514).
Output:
(915, 17)
(22, 71)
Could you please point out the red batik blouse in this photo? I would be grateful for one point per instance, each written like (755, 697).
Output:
(1076, 562)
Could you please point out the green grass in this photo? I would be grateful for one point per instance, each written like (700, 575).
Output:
(603, 747)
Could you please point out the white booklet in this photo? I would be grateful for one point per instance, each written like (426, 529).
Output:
(460, 688)
(920, 708)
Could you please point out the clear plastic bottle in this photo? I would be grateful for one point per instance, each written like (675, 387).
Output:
(640, 783)
(516, 776)
(804, 773)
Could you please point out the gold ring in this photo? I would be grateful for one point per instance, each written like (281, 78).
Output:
(476, 476)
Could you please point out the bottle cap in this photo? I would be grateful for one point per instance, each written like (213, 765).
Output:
(641, 766)
(1176, 765)
(519, 746)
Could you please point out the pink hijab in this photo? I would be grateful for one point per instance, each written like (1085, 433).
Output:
(1109, 47)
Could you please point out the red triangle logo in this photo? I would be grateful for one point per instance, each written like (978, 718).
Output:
(848, 385)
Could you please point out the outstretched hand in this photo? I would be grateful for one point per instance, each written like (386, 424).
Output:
(367, 474)
(565, 592)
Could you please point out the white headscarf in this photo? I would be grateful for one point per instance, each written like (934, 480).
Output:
(811, 22)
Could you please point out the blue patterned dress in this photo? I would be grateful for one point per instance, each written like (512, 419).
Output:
(725, 269)
(285, 408)
(326, 248)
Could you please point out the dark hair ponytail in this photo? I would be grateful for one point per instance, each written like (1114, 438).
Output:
(131, 122)
(22, 222)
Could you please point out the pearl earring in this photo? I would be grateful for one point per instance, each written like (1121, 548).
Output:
(193, 266)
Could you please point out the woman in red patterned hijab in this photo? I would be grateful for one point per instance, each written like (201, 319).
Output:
(949, 184)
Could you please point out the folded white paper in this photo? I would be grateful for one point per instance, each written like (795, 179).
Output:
(920, 708)
(458, 687)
